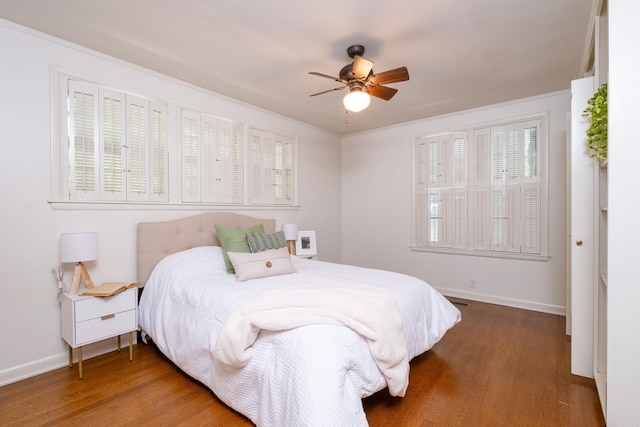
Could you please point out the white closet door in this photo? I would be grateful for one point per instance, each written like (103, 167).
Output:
(581, 239)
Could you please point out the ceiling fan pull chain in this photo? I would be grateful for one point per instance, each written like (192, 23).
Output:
(346, 116)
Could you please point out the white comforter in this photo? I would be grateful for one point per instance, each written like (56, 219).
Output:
(313, 375)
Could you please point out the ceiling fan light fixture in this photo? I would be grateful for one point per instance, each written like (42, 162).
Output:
(356, 100)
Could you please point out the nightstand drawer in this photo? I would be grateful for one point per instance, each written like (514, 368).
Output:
(92, 308)
(112, 324)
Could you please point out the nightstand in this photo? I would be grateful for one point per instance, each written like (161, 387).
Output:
(87, 319)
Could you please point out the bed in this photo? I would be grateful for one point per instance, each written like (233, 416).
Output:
(298, 348)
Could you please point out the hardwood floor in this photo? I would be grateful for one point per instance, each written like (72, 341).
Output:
(499, 367)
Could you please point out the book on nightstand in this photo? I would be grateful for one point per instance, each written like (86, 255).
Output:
(108, 289)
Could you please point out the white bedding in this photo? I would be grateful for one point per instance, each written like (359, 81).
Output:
(313, 375)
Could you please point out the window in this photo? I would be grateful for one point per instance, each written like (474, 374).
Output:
(481, 190)
(115, 148)
(272, 173)
(212, 160)
(117, 145)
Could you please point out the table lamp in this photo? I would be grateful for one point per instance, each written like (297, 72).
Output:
(78, 248)
(291, 235)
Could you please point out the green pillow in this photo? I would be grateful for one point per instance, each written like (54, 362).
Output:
(259, 242)
(235, 240)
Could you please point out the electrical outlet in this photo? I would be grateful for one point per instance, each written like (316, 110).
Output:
(473, 283)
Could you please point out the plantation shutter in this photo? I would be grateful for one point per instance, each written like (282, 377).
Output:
(238, 166)
(488, 201)
(283, 170)
(159, 153)
(512, 182)
(212, 164)
(112, 142)
(459, 190)
(531, 219)
(190, 157)
(498, 227)
(267, 169)
(482, 190)
(439, 197)
(209, 159)
(531, 189)
(256, 167)
(288, 171)
(441, 193)
(422, 163)
(83, 141)
(146, 150)
(228, 163)
(512, 218)
(224, 163)
(441, 225)
(515, 188)
(422, 218)
(272, 168)
(422, 175)
(137, 148)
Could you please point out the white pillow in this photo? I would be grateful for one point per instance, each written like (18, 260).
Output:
(272, 262)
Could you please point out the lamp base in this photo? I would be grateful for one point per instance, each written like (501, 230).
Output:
(291, 244)
(80, 272)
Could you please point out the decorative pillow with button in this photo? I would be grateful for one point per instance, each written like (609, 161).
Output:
(272, 262)
(235, 240)
(259, 242)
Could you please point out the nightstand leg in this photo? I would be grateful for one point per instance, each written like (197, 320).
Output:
(80, 362)
(130, 346)
(118, 343)
(70, 357)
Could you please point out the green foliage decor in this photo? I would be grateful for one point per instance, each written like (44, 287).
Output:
(597, 132)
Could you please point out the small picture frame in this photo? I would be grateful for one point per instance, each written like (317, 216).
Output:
(306, 244)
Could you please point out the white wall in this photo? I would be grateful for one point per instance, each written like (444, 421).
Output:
(30, 227)
(623, 366)
(376, 211)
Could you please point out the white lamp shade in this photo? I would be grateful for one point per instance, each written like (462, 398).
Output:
(78, 247)
(290, 231)
(356, 100)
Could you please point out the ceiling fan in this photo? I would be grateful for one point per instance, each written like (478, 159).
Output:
(362, 82)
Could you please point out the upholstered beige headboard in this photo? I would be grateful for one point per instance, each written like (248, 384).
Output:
(159, 239)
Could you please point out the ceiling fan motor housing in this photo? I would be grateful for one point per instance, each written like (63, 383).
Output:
(354, 50)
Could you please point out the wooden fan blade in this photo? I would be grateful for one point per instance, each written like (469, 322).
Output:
(382, 92)
(392, 76)
(361, 67)
(327, 91)
(325, 76)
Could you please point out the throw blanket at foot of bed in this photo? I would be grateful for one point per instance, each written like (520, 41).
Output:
(374, 315)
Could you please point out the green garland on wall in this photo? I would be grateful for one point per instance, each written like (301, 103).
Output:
(597, 132)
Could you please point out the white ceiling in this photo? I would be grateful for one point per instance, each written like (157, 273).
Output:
(460, 53)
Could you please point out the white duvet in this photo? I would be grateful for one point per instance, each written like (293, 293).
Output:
(311, 375)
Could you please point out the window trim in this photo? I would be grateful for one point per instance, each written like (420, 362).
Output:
(59, 161)
(544, 190)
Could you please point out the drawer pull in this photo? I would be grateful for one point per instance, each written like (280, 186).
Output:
(108, 316)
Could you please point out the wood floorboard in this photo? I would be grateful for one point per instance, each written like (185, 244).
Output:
(500, 366)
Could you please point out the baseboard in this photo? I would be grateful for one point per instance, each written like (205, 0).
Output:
(61, 360)
(509, 302)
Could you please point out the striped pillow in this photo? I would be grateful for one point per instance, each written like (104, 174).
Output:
(259, 242)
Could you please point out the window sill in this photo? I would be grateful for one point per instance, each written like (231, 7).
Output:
(488, 254)
(159, 206)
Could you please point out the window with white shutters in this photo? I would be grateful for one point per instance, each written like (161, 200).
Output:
(441, 198)
(212, 160)
(83, 137)
(117, 145)
(272, 168)
(114, 147)
(483, 193)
